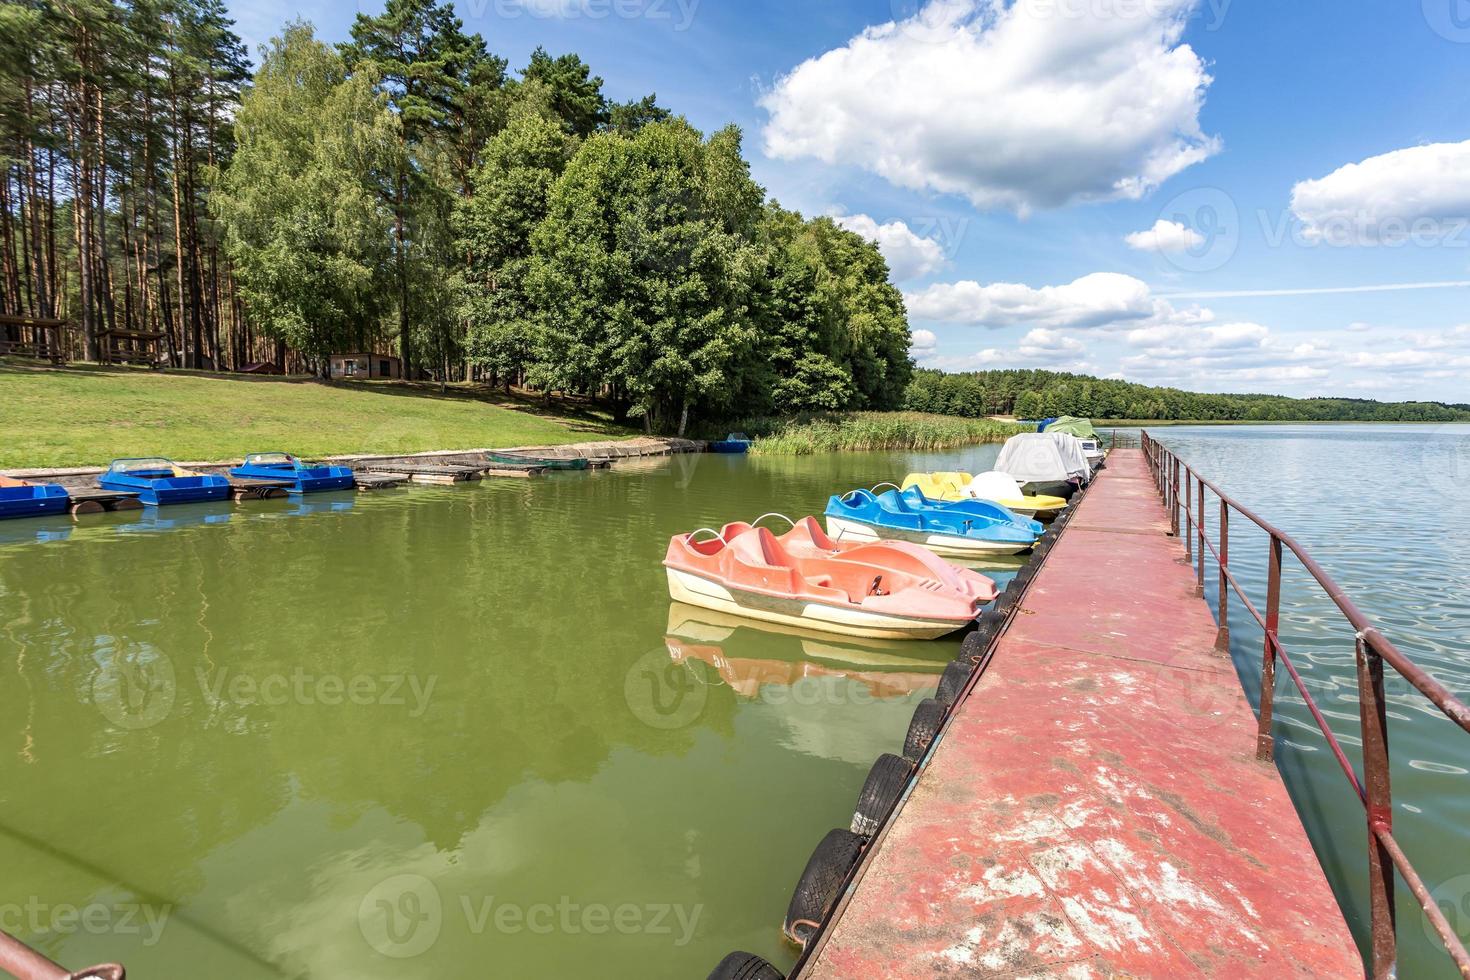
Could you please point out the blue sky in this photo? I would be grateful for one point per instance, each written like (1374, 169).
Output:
(1090, 185)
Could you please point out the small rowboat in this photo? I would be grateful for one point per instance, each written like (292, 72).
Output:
(19, 498)
(962, 529)
(545, 462)
(735, 442)
(159, 481)
(994, 486)
(803, 578)
(303, 478)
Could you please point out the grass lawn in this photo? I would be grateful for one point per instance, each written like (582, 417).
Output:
(81, 416)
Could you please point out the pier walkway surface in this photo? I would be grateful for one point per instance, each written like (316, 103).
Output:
(1095, 808)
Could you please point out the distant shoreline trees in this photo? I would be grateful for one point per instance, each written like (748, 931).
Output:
(1044, 394)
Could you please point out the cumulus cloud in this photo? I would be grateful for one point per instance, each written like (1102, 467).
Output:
(1165, 236)
(909, 255)
(1420, 194)
(1221, 336)
(1016, 104)
(1091, 301)
(922, 342)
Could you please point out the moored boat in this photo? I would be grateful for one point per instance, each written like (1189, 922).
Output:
(1045, 464)
(962, 529)
(876, 591)
(513, 458)
(21, 498)
(994, 486)
(304, 478)
(159, 481)
(735, 442)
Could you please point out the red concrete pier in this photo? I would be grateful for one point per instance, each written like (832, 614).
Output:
(1095, 808)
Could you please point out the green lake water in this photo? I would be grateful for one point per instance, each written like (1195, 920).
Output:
(428, 732)
(440, 732)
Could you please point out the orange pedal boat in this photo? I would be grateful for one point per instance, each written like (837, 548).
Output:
(888, 589)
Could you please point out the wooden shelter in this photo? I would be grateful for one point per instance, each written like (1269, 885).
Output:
(361, 367)
(29, 336)
(125, 346)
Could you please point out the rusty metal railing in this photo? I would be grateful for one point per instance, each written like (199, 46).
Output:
(1183, 492)
(19, 960)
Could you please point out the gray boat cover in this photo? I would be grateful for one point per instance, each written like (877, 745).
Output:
(1041, 457)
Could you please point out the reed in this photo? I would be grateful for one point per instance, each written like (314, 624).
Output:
(859, 431)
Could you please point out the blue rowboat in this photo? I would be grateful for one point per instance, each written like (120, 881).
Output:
(158, 481)
(18, 498)
(303, 478)
(735, 442)
(960, 532)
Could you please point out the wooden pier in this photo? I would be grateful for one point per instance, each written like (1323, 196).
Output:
(246, 488)
(94, 500)
(1095, 807)
(442, 473)
(379, 481)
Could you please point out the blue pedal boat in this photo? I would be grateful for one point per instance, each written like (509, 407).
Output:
(158, 481)
(735, 442)
(20, 498)
(974, 507)
(961, 532)
(304, 478)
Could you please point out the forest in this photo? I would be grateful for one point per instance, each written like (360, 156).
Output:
(406, 190)
(1045, 394)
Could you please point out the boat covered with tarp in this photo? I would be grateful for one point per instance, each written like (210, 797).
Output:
(1083, 430)
(158, 481)
(21, 498)
(1000, 488)
(511, 457)
(735, 442)
(303, 477)
(959, 529)
(803, 578)
(1045, 463)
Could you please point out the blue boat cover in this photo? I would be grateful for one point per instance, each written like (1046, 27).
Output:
(304, 478)
(905, 511)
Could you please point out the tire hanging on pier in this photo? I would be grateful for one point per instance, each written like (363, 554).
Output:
(975, 645)
(820, 884)
(924, 725)
(884, 785)
(745, 966)
(953, 681)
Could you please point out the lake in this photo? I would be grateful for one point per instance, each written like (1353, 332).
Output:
(448, 731)
(1384, 509)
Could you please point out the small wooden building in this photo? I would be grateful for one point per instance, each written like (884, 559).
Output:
(28, 336)
(362, 367)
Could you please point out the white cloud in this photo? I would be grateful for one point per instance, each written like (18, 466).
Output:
(1420, 194)
(1021, 104)
(909, 255)
(922, 342)
(1041, 344)
(1094, 300)
(1165, 236)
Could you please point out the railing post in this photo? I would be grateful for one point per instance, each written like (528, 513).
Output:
(1377, 786)
(1199, 578)
(1222, 632)
(1188, 504)
(1265, 747)
(1174, 500)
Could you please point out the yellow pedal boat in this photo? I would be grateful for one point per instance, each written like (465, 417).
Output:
(993, 486)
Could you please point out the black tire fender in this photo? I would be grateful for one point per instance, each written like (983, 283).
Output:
(953, 681)
(884, 785)
(745, 966)
(820, 884)
(924, 725)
